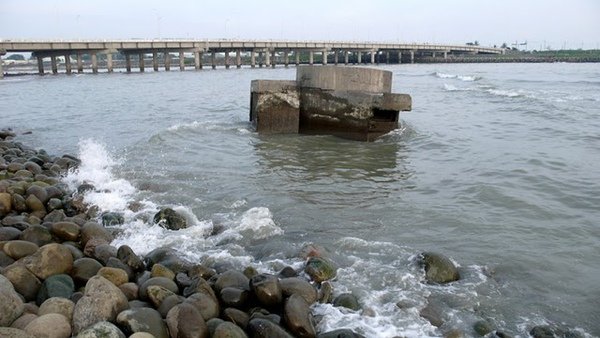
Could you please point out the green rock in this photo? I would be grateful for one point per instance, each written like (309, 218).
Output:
(320, 269)
(170, 219)
(482, 327)
(438, 268)
(348, 301)
(56, 286)
(112, 218)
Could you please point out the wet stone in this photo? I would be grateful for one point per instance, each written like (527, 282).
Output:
(112, 218)
(84, 269)
(66, 231)
(234, 297)
(160, 281)
(143, 320)
(232, 278)
(263, 328)
(184, 321)
(228, 330)
(267, 290)
(19, 249)
(236, 316)
(170, 219)
(301, 287)
(348, 301)
(438, 268)
(298, 317)
(320, 269)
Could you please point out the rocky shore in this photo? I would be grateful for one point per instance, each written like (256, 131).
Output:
(61, 277)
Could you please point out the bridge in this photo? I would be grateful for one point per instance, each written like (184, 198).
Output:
(267, 53)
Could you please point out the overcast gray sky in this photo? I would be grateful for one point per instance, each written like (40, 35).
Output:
(554, 23)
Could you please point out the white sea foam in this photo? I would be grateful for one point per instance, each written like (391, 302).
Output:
(96, 168)
(258, 223)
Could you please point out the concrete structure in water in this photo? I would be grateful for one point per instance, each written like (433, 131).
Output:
(354, 103)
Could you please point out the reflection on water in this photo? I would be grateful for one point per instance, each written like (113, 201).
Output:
(307, 166)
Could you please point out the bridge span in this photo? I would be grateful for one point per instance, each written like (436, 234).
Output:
(222, 52)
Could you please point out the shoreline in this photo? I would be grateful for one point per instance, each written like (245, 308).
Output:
(92, 286)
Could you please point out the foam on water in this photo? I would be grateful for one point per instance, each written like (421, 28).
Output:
(465, 78)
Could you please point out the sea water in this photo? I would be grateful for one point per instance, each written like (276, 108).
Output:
(496, 167)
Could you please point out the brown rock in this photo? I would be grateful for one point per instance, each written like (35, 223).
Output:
(37, 234)
(50, 259)
(298, 318)
(130, 290)
(159, 270)
(299, 286)
(19, 249)
(232, 278)
(58, 305)
(157, 294)
(5, 203)
(114, 275)
(84, 269)
(66, 231)
(24, 281)
(267, 290)
(185, 321)
(94, 230)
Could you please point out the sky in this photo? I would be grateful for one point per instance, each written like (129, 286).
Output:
(543, 24)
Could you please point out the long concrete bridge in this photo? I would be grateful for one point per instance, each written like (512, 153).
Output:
(267, 53)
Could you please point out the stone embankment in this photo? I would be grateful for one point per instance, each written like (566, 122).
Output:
(61, 277)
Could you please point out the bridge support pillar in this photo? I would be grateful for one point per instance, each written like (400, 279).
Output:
(181, 61)
(273, 59)
(412, 56)
(1, 70)
(311, 57)
(94, 63)
(40, 61)
(433, 54)
(54, 65)
(261, 59)
(238, 59)
(387, 57)
(252, 58)
(67, 63)
(372, 57)
(445, 55)
(267, 58)
(324, 61)
(286, 58)
(197, 60)
(155, 61)
(335, 57)
(297, 55)
(346, 57)
(359, 57)
(79, 63)
(226, 59)
(141, 62)
(213, 60)
(399, 57)
(128, 62)
(167, 61)
(109, 62)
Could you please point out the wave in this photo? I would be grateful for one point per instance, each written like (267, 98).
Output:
(114, 194)
(464, 78)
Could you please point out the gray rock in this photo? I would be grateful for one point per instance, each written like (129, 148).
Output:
(157, 294)
(94, 230)
(170, 219)
(101, 330)
(298, 318)
(264, 328)
(482, 327)
(129, 258)
(11, 306)
(102, 301)
(37, 234)
(10, 332)
(206, 304)
(267, 290)
(232, 278)
(212, 325)
(9, 233)
(160, 281)
(143, 320)
(112, 218)
(168, 303)
(438, 268)
(168, 257)
(84, 269)
(185, 321)
(236, 316)
(52, 325)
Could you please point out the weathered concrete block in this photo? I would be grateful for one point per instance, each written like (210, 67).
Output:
(354, 103)
(368, 80)
(274, 106)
